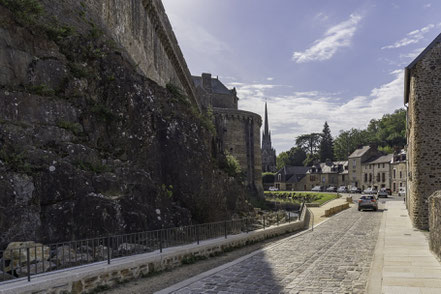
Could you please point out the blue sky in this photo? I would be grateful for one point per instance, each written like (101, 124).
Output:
(339, 61)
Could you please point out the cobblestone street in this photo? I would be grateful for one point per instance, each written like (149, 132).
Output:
(334, 258)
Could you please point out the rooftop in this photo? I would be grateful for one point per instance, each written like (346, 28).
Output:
(382, 159)
(360, 151)
(216, 85)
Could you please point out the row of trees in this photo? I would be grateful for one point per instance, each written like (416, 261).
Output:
(388, 133)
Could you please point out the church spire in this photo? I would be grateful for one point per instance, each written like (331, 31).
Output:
(266, 130)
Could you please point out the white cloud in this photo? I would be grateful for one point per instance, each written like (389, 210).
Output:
(269, 78)
(412, 37)
(305, 112)
(428, 5)
(413, 54)
(336, 37)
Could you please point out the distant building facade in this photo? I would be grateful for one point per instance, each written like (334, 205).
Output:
(238, 131)
(301, 178)
(376, 172)
(268, 152)
(355, 160)
(399, 172)
(291, 178)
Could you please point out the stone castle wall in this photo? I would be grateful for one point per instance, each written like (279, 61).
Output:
(143, 29)
(239, 134)
(424, 135)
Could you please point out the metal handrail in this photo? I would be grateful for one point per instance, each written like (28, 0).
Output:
(31, 259)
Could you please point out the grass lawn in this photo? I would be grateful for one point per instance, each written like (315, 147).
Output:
(318, 198)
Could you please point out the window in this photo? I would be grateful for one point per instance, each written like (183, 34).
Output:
(378, 165)
(395, 173)
(383, 165)
(383, 177)
(354, 163)
(378, 177)
(370, 177)
(312, 178)
(279, 177)
(401, 174)
(401, 184)
(343, 178)
(395, 187)
(365, 177)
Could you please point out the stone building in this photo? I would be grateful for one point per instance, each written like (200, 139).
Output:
(398, 172)
(422, 92)
(291, 178)
(325, 174)
(376, 172)
(268, 152)
(355, 160)
(238, 131)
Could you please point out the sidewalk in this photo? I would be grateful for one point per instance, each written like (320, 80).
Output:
(319, 212)
(402, 262)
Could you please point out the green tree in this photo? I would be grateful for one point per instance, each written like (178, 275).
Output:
(295, 156)
(326, 149)
(309, 143)
(347, 141)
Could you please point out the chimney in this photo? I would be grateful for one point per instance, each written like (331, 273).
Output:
(206, 82)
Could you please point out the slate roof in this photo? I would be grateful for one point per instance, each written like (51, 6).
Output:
(328, 168)
(216, 85)
(382, 159)
(360, 151)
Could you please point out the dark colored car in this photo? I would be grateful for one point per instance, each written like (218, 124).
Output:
(367, 202)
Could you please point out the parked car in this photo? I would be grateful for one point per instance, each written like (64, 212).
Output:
(370, 190)
(382, 193)
(342, 189)
(273, 189)
(331, 189)
(367, 202)
(402, 192)
(317, 189)
(388, 190)
(355, 190)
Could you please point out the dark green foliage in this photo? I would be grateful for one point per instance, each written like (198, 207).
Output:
(309, 142)
(92, 166)
(15, 161)
(75, 128)
(190, 259)
(389, 133)
(79, 71)
(26, 11)
(268, 177)
(294, 157)
(326, 150)
(42, 90)
(230, 165)
(102, 112)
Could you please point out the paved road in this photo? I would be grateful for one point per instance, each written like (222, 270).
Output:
(334, 258)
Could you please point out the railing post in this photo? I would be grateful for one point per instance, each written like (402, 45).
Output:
(160, 241)
(277, 214)
(197, 233)
(108, 250)
(246, 225)
(225, 225)
(28, 264)
(289, 216)
(264, 222)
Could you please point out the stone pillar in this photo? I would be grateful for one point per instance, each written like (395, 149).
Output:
(435, 223)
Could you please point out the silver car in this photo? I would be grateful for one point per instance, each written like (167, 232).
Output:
(367, 202)
(382, 193)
